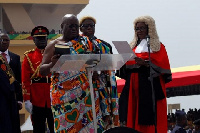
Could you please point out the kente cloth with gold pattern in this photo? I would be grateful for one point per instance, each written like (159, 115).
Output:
(71, 100)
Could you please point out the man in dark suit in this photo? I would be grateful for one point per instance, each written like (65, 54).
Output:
(14, 62)
(8, 106)
(5, 104)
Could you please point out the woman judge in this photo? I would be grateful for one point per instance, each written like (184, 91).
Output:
(141, 113)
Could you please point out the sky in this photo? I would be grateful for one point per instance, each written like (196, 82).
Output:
(177, 22)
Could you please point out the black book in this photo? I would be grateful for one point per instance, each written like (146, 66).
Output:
(62, 49)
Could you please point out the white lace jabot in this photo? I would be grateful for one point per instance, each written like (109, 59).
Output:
(142, 47)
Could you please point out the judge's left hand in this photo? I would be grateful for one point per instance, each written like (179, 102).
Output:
(141, 62)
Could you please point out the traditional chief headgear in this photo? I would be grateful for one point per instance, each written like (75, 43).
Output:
(40, 31)
(154, 39)
(197, 122)
(86, 17)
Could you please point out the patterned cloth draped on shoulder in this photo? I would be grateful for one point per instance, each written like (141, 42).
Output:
(71, 99)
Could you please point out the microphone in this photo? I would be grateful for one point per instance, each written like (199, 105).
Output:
(148, 39)
(67, 44)
(94, 42)
(81, 39)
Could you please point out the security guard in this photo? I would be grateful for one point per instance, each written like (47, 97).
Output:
(181, 122)
(36, 88)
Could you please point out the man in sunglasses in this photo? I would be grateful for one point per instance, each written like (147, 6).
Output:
(87, 27)
(36, 87)
(70, 91)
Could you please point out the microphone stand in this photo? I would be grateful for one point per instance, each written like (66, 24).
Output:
(81, 39)
(95, 50)
(151, 80)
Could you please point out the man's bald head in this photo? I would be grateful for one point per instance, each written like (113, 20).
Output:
(70, 27)
(3, 34)
(66, 18)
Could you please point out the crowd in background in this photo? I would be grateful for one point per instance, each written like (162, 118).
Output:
(192, 115)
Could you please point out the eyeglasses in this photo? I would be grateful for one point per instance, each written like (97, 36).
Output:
(88, 25)
(73, 26)
(140, 28)
(6, 40)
